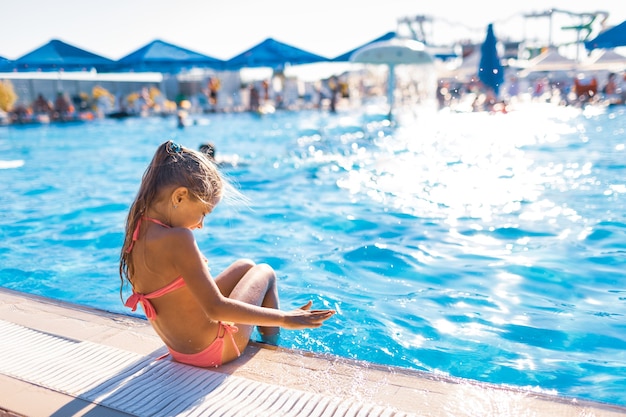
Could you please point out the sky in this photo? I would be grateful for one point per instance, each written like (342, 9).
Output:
(224, 28)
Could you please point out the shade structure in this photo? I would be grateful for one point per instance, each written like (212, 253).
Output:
(605, 59)
(272, 54)
(57, 55)
(549, 61)
(393, 52)
(490, 71)
(164, 57)
(466, 71)
(345, 57)
(610, 38)
(443, 53)
(5, 64)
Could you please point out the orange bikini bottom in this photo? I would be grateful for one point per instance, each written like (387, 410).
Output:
(212, 355)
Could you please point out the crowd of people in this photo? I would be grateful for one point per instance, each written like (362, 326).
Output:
(258, 96)
(84, 107)
(329, 94)
(43, 110)
(579, 91)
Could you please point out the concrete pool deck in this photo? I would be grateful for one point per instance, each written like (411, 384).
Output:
(59, 359)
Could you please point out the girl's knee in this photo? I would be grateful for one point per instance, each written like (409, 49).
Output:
(244, 263)
(266, 270)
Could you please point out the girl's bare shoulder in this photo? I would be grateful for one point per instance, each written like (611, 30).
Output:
(176, 238)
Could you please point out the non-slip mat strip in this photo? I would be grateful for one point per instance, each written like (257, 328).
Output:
(140, 385)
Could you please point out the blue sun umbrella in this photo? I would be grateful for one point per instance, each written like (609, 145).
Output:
(272, 54)
(610, 38)
(161, 56)
(57, 55)
(490, 71)
(4, 64)
(345, 57)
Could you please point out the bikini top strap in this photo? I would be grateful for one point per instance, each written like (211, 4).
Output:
(135, 236)
(160, 223)
(136, 231)
(144, 299)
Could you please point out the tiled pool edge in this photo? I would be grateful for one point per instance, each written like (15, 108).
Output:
(406, 390)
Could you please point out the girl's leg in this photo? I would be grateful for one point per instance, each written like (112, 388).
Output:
(262, 276)
(252, 284)
(228, 279)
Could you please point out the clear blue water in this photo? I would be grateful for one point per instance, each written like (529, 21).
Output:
(488, 247)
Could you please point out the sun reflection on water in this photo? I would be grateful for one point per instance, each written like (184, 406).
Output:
(459, 174)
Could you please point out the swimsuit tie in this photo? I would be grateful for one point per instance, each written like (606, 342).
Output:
(230, 329)
(148, 308)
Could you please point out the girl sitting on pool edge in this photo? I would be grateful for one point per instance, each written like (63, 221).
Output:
(203, 321)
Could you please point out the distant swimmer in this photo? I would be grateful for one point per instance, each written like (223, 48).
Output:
(208, 149)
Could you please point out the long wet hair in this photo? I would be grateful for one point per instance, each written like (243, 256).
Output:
(172, 166)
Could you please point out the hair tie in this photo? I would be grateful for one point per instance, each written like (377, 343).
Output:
(173, 148)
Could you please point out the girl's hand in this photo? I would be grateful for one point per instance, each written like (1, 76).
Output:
(304, 317)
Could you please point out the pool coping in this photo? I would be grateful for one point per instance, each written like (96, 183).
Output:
(408, 392)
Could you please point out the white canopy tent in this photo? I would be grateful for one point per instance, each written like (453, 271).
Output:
(549, 61)
(605, 60)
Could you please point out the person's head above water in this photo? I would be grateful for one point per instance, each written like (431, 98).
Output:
(208, 148)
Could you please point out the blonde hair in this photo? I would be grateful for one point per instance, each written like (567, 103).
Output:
(172, 166)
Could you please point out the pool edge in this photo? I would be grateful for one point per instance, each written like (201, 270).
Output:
(406, 390)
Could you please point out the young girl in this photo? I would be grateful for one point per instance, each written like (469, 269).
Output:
(203, 321)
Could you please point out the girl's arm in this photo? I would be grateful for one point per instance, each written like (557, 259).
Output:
(189, 263)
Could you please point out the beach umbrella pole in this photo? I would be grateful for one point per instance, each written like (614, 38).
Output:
(391, 81)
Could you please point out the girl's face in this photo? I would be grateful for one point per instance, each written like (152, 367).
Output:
(193, 213)
(190, 212)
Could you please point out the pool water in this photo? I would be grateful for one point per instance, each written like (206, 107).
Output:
(488, 247)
